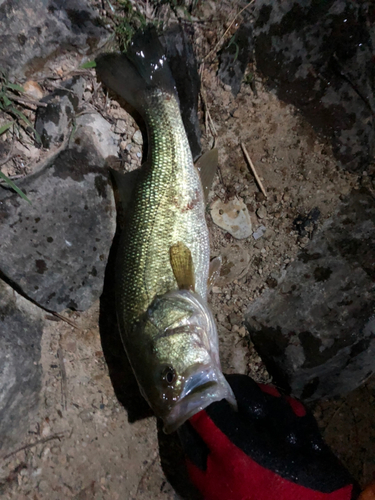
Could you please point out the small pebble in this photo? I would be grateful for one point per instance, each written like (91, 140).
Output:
(259, 197)
(262, 212)
(242, 332)
(137, 138)
(259, 232)
(33, 89)
(87, 95)
(120, 127)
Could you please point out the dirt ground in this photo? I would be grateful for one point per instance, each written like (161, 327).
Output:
(82, 445)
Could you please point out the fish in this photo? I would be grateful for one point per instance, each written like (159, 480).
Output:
(163, 267)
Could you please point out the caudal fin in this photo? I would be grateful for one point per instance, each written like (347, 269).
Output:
(143, 68)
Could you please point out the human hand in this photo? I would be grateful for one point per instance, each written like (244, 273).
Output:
(271, 449)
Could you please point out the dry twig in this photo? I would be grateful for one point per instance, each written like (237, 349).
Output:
(58, 435)
(29, 102)
(67, 320)
(64, 384)
(149, 466)
(251, 164)
(208, 122)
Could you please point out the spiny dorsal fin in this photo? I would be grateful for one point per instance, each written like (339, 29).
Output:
(214, 272)
(207, 166)
(182, 265)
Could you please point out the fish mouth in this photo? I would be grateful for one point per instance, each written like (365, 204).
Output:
(203, 387)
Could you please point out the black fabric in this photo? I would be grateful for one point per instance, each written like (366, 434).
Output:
(267, 430)
(192, 442)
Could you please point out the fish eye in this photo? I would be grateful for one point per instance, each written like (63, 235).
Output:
(169, 375)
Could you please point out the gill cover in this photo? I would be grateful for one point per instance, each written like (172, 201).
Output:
(185, 339)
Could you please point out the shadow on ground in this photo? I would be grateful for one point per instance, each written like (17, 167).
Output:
(173, 464)
(121, 374)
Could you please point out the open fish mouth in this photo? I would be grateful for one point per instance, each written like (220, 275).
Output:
(201, 388)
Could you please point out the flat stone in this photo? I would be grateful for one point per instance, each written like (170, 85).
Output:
(34, 35)
(55, 250)
(232, 216)
(315, 329)
(21, 325)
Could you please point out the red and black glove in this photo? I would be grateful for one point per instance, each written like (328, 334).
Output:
(271, 449)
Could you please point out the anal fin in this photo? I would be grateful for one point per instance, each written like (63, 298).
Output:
(183, 266)
(207, 166)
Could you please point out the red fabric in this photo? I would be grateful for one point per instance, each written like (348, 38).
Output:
(297, 406)
(238, 477)
(269, 389)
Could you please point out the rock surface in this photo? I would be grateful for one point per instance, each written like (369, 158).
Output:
(33, 35)
(316, 330)
(55, 121)
(318, 58)
(21, 327)
(55, 250)
(235, 57)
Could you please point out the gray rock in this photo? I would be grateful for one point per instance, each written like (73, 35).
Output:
(316, 329)
(55, 250)
(319, 59)
(21, 325)
(34, 35)
(55, 122)
(92, 127)
(235, 57)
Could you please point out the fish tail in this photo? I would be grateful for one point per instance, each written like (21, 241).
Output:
(133, 75)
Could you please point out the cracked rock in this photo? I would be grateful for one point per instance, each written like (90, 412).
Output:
(55, 250)
(21, 325)
(315, 329)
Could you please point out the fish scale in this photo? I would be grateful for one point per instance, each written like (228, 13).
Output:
(168, 208)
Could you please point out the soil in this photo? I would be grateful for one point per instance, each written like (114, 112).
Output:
(82, 445)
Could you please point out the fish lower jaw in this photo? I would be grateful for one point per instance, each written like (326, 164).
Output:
(196, 401)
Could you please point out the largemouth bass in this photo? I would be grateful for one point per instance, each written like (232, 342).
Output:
(163, 262)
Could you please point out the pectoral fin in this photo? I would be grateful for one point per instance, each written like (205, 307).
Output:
(182, 265)
(207, 166)
(214, 272)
